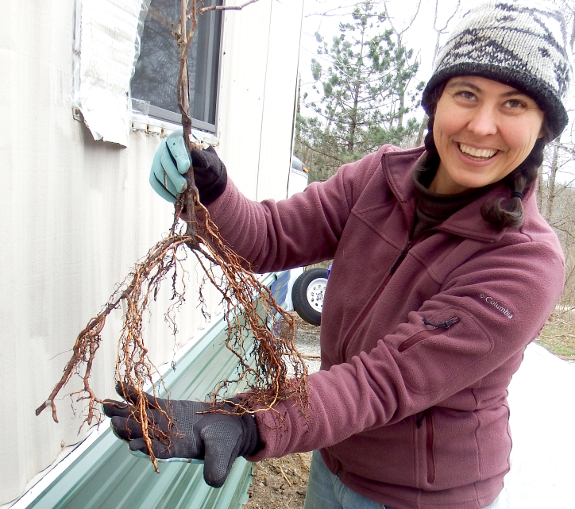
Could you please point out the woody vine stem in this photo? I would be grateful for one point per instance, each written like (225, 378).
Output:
(262, 367)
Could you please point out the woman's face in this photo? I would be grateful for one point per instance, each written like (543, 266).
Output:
(483, 130)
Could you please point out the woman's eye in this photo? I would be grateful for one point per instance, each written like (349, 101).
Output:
(465, 94)
(515, 103)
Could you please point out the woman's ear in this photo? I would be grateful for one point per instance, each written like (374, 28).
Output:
(545, 132)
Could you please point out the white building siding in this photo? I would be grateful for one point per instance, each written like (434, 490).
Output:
(278, 120)
(76, 214)
(262, 98)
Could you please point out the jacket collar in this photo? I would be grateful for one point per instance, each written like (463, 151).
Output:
(467, 222)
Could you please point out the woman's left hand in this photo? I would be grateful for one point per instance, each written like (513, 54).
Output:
(193, 429)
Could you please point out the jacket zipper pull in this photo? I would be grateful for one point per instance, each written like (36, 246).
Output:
(420, 418)
(401, 257)
(442, 325)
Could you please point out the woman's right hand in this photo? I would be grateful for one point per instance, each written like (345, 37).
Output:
(172, 161)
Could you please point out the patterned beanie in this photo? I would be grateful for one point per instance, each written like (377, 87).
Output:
(518, 44)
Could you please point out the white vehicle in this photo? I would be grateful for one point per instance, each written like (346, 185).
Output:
(306, 288)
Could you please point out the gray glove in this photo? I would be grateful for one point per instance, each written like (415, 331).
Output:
(216, 438)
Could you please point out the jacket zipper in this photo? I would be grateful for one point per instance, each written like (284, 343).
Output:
(400, 258)
(424, 334)
(429, 457)
(369, 307)
(429, 447)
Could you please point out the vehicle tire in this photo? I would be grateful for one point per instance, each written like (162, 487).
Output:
(307, 295)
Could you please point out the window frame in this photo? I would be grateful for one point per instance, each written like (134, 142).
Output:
(155, 117)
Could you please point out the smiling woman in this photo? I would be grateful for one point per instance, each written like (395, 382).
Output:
(490, 91)
(483, 130)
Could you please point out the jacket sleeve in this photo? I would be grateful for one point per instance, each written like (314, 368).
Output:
(486, 313)
(298, 231)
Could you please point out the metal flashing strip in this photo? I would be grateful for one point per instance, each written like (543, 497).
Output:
(153, 125)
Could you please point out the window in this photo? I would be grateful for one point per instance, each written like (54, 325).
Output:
(156, 72)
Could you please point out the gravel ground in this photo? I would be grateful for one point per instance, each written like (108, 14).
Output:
(307, 342)
(281, 483)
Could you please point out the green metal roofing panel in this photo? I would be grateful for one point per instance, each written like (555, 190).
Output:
(106, 476)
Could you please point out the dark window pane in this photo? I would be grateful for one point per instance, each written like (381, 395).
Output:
(156, 74)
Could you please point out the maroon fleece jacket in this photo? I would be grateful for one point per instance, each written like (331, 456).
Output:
(418, 342)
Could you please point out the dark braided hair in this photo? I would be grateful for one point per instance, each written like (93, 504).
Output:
(503, 212)
(500, 212)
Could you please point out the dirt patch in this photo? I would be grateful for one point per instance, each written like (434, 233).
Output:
(281, 483)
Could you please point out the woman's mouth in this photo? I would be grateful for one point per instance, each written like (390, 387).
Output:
(479, 154)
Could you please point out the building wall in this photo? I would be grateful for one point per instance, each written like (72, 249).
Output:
(76, 214)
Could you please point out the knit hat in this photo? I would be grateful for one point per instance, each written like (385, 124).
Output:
(518, 44)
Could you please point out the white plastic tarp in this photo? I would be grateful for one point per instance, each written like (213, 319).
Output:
(106, 48)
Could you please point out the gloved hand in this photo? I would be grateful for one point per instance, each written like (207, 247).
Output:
(171, 163)
(216, 438)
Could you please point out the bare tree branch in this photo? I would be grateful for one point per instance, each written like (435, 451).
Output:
(203, 10)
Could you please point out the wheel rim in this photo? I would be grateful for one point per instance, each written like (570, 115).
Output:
(315, 292)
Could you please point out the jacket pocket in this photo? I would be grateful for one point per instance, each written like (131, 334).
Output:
(439, 328)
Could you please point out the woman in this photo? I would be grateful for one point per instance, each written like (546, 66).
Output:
(409, 409)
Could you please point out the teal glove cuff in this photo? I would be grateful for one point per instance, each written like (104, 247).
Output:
(171, 161)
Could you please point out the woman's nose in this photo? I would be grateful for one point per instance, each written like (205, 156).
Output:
(483, 121)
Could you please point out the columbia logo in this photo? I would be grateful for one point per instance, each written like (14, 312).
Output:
(492, 302)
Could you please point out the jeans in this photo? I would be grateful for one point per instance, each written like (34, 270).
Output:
(326, 491)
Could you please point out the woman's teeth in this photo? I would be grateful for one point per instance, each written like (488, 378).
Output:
(483, 153)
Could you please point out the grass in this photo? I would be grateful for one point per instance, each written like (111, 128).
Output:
(558, 336)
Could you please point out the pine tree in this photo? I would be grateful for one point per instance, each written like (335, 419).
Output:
(366, 93)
